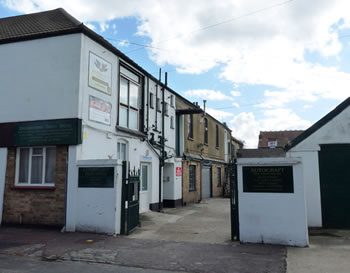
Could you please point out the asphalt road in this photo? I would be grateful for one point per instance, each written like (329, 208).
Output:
(15, 264)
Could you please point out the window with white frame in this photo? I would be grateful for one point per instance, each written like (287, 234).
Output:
(121, 151)
(166, 109)
(129, 99)
(36, 166)
(172, 100)
(158, 105)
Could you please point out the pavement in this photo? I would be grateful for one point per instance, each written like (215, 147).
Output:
(328, 252)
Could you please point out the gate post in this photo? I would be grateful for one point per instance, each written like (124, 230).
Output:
(234, 201)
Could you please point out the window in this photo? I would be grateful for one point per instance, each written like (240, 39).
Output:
(206, 131)
(192, 170)
(172, 122)
(219, 176)
(272, 143)
(36, 166)
(158, 105)
(166, 109)
(190, 126)
(172, 100)
(217, 136)
(121, 151)
(151, 100)
(129, 100)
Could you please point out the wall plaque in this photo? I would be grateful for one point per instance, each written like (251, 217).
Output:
(99, 110)
(274, 179)
(96, 177)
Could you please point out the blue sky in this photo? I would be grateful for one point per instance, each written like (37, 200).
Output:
(261, 65)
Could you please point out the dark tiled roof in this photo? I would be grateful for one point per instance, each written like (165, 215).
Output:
(282, 137)
(332, 114)
(263, 152)
(36, 24)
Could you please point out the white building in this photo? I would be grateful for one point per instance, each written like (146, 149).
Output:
(69, 95)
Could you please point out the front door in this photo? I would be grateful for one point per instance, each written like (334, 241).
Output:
(206, 182)
(144, 191)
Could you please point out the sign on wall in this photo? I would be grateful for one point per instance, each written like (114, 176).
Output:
(100, 74)
(99, 110)
(96, 177)
(178, 171)
(274, 179)
(41, 133)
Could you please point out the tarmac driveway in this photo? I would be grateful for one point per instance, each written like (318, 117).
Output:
(205, 222)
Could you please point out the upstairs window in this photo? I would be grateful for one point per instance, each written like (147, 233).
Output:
(129, 99)
(36, 166)
(206, 131)
(172, 126)
(172, 100)
(217, 136)
(166, 109)
(158, 105)
(190, 126)
(151, 100)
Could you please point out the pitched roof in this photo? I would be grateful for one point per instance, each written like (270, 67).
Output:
(282, 137)
(34, 25)
(332, 114)
(260, 153)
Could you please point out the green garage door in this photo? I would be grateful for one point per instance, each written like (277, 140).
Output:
(334, 163)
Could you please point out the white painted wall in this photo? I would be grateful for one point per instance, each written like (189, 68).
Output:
(40, 77)
(275, 218)
(336, 131)
(3, 165)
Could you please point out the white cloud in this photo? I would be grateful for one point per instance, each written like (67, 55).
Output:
(307, 106)
(207, 94)
(123, 43)
(218, 114)
(235, 93)
(235, 104)
(246, 127)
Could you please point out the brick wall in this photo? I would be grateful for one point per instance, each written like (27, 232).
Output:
(187, 195)
(35, 206)
(217, 190)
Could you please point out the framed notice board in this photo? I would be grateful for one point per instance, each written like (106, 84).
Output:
(273, 179)
(96, 177)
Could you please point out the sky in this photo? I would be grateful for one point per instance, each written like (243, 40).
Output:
(261, 65)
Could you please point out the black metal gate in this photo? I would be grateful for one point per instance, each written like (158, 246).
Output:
(234, 201)
(130, 217)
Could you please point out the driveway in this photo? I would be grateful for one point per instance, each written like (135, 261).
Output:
(205, 222)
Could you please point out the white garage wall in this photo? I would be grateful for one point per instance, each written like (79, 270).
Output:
(275, 218)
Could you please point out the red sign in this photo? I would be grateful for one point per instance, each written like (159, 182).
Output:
(178, 171)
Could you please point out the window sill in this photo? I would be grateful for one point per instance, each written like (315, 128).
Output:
(132, 132)
(192, 190)
(190, 138)
(17, 187)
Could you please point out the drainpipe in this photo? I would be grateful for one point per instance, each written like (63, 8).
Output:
(148, 102)
(162, 142)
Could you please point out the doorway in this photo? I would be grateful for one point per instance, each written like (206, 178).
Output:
(145, 188)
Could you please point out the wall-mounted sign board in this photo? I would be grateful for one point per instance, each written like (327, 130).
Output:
(100, 74)
(41, 133)
(96, 177)
(274, 179)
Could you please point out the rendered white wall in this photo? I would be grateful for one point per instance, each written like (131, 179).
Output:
(275, 218)
(40, 77)
(336, 131)
(3, 165)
